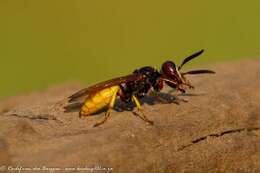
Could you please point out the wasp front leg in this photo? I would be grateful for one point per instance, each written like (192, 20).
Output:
(138, 105)
(173, 84)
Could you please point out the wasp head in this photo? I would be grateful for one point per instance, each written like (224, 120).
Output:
(174, 78)
(170, 71)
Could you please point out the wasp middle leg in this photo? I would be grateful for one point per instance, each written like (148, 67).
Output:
(142, 116)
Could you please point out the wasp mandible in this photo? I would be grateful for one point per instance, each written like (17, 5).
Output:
(132, 87)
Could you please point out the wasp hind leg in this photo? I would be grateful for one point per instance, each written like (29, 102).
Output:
(142, 115)
(110, 107)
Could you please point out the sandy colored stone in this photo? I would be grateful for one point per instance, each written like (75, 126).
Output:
(217, 130)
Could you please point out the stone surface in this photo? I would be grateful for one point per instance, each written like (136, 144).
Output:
(217, 130)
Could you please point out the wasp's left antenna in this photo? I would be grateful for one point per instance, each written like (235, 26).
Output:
(190, 58)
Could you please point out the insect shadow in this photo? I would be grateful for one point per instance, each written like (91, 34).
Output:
(152, 99)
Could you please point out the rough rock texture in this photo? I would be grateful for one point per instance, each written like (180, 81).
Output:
(217, 130)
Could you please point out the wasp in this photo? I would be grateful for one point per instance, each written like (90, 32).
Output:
(132, 87)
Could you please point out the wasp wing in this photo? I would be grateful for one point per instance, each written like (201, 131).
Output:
(84, 93)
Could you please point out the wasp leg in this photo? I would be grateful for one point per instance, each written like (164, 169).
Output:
(142, 116)
(110, 107)
(104, 119)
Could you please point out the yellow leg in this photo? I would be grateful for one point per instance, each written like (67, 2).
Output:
(110, 107)
(142, 116)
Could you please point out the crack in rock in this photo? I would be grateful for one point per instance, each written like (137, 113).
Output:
(37, 117)
(195, 141)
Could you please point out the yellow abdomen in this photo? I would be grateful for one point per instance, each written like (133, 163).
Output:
(98, 100)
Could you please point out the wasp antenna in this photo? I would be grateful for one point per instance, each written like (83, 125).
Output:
(190, 58)
(199, 72)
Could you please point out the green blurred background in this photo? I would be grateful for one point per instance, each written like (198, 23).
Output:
(48, 42)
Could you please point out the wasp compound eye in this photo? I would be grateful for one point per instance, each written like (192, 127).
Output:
(169, 68)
